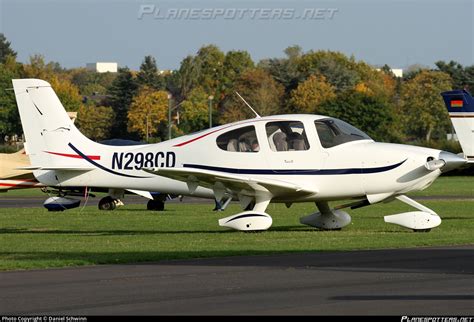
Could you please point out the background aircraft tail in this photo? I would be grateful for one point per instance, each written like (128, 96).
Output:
(52, 140)
(460, 106)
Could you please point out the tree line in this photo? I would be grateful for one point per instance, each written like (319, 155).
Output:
(134, 104)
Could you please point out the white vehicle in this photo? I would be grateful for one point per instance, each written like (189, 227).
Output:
(283, 158)
(460, 105)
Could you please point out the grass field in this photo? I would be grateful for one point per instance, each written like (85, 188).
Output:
(35, 238)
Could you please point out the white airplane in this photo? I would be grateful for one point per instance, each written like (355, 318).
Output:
(283, 158)
(460, 105)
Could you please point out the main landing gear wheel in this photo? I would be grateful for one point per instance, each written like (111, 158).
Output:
(157, 205)
(107, 203)
(422, 230)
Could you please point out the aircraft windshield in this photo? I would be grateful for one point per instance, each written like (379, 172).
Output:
(333, 132)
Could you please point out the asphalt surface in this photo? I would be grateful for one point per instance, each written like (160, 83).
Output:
(428, 281)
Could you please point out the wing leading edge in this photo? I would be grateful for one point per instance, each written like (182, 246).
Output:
(233, 183)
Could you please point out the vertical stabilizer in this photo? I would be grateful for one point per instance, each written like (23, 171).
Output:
(460, 105)
(48, 128)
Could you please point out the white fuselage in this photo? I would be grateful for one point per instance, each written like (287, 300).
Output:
(350, 170)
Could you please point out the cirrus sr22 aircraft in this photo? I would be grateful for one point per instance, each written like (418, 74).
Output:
(282, 158)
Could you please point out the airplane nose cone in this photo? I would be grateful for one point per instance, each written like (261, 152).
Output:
(453, 161)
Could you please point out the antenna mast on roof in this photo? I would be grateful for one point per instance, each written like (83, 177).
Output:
(256, 114)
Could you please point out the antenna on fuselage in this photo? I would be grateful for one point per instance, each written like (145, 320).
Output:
(256, 114)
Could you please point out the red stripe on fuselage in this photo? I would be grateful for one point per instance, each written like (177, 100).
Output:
(204, 135)
(195, 139)
(75, 156)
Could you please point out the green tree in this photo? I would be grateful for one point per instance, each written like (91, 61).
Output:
(463, 77)
(38, 68)
(149, 74)
(5, 49)
(90, 82)
(338, 69)
(210, 63)
(187, 76)
(95, 122)
(204, 70)
(123, 89)
(285, 70)
(148, 109)
(422, 106)
(411, 71)
(195, 111)
(235, 63)
(368, 113)
(311, 94)
(172, 83)
(260, 90)
(9, 118)
(52, 72)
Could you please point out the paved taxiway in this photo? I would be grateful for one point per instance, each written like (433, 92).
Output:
(427, 281)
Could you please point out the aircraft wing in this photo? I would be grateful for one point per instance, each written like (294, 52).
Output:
(236, 183)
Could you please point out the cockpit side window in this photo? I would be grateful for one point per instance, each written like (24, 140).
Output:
(333, 132)
(239, 140)
(287, 136)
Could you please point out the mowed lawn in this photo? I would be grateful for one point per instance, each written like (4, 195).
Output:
(35, 238)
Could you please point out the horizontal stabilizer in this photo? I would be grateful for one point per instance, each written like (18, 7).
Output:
(31, 168)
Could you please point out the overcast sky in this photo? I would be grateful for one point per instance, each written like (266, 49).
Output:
(397, 33)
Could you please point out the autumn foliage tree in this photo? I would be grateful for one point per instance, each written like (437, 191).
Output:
(95, 122)
(323, 82)
(67, 93)
(260, 90)
(422, 106)
(147, 110)
(310, 94)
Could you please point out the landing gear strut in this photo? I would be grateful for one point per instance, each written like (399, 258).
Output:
(252, 220)
(419, 221)
(327, 218)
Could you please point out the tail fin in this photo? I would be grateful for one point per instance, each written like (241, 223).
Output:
(48, 129)
(460, 106)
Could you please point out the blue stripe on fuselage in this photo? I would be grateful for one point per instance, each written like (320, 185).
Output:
(85, 157)
(297, 172)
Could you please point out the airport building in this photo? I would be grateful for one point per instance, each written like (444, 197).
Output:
(398, 72)
(102, 67)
